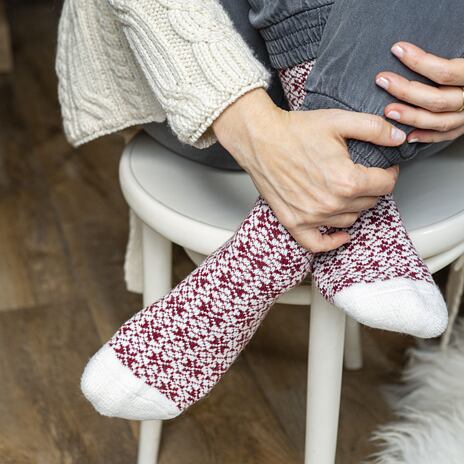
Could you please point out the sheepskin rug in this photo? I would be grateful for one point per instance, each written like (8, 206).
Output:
(429, 405)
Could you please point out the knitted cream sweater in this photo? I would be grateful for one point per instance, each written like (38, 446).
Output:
(127, 62)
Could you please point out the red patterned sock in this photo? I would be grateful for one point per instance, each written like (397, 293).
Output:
(170, 355)
(378, 278)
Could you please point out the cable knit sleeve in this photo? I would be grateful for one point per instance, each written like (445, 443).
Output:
(193, 59)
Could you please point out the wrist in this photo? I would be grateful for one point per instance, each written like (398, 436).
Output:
(240, 123)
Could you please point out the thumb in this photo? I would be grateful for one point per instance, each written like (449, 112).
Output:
(316, 242)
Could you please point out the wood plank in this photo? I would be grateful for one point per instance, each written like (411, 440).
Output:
(44, 417)
(34, 268)
(46, 342)
(234, 424)
(6, 55)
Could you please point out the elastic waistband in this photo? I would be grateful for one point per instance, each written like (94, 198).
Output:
(295, 39)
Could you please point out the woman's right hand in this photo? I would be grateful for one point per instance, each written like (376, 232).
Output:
(300, 164)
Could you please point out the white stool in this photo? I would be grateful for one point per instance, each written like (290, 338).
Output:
(199, 208)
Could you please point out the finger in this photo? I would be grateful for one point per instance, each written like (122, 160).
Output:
(423, 119)
(366, 127)
(439, 70)
(428, 136)
(315, 242)
(425, 96)
(376, 182)
(341, 221)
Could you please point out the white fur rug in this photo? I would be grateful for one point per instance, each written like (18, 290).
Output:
(430, 408)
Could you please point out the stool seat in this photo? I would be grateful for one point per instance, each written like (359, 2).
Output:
(185, 200)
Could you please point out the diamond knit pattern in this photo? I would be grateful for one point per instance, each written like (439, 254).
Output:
(185, 342)
(293, 82)
(380, 248)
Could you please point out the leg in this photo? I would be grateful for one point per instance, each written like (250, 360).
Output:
(379, 261)
(133, 261)
(157, 268)
(325, 365)
(172, 353)
(157, 265)
(454, 293)
(353, 346)
(149, 442)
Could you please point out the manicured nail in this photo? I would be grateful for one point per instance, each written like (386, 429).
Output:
(394, 115)
(398, 135)
(397, 51)
(413, 140)
(382, 82)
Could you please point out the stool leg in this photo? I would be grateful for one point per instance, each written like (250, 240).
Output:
(353, 346)
(157, 268)
(149, 442)
(454, 293)
(325, 366)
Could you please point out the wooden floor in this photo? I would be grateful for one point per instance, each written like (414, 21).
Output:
(63, 229)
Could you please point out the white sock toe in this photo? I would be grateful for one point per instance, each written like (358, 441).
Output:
(400, 305)
(115, 391)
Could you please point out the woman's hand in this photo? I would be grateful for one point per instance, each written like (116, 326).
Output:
(300, 164)
(438, 110)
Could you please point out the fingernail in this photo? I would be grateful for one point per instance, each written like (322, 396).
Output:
(397, 51)
(394, 115)
(398, 135)
(382, 82)
(413, 140)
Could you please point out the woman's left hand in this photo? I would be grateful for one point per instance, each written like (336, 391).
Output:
(437, 113)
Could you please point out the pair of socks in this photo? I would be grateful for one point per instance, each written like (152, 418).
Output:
(172, 353)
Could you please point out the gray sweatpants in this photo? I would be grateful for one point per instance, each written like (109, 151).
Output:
(351, 40)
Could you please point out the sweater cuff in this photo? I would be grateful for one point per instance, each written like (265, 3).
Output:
(194, 60)
(204, 136)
